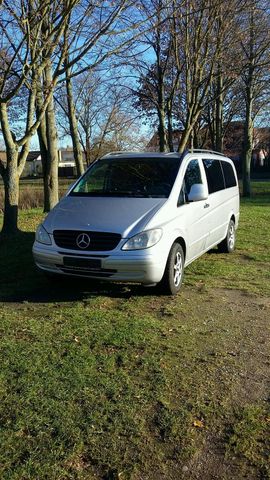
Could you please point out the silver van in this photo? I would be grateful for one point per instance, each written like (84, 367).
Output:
(141, 217)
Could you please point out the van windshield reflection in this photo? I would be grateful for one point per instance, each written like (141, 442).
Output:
(129, 177)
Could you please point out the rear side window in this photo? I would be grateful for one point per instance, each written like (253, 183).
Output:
(214, 175)
(229, 175)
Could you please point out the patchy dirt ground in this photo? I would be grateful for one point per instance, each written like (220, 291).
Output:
(249, 345)
(213, 352)
(242, 375)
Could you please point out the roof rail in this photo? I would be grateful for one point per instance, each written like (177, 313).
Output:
(201, 150)
(121, 152)
(118, 152)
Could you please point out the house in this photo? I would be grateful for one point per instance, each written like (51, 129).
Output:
(33, 165)
(67, 166)
(153, 145)
(234, 138)
(233, 143)
(66, 163)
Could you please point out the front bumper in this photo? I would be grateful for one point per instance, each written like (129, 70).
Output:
(140, 266)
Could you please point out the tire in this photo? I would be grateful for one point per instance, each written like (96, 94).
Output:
(174, 271)
(228, 244)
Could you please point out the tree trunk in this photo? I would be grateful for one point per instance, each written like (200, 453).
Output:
(212, 129)
(11, 186)
(188, 135)
(185, 138)
(44, 160)
(42, 136)
(73, 125)
(88, 150)
(248, 129)
(219, 114)
(14, 164)
(51, 169)
(10, 176)
(170, 128)
(247, 147)
(160, 88)
(162, 131)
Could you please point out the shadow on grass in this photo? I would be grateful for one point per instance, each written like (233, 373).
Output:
(20, 280)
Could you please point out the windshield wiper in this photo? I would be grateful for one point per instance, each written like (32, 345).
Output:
(126, 193)
(113, 193)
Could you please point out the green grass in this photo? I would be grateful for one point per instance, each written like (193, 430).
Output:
(103, 381)
(249, 435)
(249, 269)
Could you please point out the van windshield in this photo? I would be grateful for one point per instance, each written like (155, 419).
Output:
(129, 177)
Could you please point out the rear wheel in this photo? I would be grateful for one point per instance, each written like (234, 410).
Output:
(174, 271)
(228, 244)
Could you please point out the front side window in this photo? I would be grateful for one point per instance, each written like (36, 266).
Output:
(214, 175)
(192, 176)
(129, 177)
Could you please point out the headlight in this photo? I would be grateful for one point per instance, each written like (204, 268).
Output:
(143, 240)
(42, 236)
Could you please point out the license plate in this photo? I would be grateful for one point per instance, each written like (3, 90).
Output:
(84, 263)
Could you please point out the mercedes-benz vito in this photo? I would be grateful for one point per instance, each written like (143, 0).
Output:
(141, 217)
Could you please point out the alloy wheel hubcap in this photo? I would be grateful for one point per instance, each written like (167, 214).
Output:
(231, 238)
(177, 269)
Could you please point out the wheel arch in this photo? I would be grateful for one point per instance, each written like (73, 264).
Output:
(181, 242)
(174, 269)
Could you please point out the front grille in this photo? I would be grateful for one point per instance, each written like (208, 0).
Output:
(99, 241)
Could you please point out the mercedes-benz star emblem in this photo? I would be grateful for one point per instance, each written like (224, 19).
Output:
(83, 240)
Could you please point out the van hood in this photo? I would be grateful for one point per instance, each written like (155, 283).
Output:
(126, 216)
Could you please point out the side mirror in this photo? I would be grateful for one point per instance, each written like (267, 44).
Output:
(197, 193)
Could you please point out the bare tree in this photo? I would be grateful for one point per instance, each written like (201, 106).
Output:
(159, 80)
(36, 39)
(78, 52)
(255, 76)
(219, 113)
(205, 41)
(104, 113)
(22, 64)
(73, 123)
(194, 44)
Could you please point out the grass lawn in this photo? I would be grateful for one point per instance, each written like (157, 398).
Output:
(101, 381)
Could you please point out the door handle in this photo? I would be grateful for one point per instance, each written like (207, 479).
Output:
(206, 205)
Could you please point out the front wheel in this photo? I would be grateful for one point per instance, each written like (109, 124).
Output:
(228, 244)
(174, 271)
